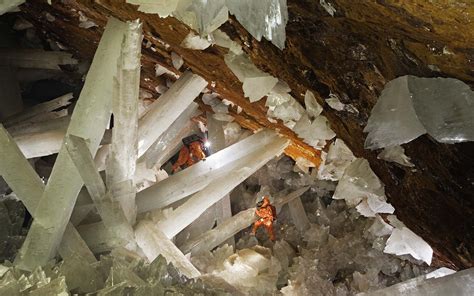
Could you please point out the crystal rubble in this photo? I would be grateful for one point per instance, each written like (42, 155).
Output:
(154, 242)
(122, 157)
(28, 187)
(403, 241)
(34, 58)
(221, 39)
(193, 41)
(228, 228)
(338, 158)
(169, 142)
(282, 105)
(411, 106)
(265, 18)
(108, 208)
(256, 84)
(459, 283)
(196, 177)
(359, 186)
(57, 202)
(167, 108)
(253, 271)
(119, 273)
(11, 102)
(9, 5)
(395, 154)
(217, 189)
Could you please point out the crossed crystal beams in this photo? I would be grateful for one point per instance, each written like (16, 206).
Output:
(210, 180)
(229, 227)
(28, 187)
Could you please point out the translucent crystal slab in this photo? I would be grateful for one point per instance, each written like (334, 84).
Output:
(202, 16)
(403, 241)
(256, 83)
(298, 214)
(25, 128)
(312, 106)
(359, 182)
(395, 154)
(167, 108)
(218, 188)
(445, 107)
(57, 202)
(193, 41)
(221, 39)
(35, 58)
(393, 120)
(154, 242)
(266, 18)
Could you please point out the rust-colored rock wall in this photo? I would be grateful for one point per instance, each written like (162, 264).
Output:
(352, 55)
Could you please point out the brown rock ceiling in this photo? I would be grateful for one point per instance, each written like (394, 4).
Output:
(352, 55)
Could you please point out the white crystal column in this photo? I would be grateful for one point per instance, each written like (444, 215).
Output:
(298, 214)
(196, 177)
(167, 108)
(153, 242)
(218, 188)
(28, 187)
(109, 209)
(89, 120)
(228, 228)
(121, 161)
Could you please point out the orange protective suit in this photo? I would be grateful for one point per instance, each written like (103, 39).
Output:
(189, 156)
(267, 214)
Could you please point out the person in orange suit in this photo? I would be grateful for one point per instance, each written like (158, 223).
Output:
(267, 214)
(189, 155)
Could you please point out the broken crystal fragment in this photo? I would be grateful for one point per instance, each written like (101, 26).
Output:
(337, 160)
(328, 7)
(265, 18)
(395, 154)
(404, 241)
(167, 108)
(9, 5)
(193, 41)
(57, 202)
(34, 58)
(379, 227)
(393, 120)
(202, 16)
(298, 214)
(371, 206)
(221, 39)
(314, 133)
(160, 70)
(359, 182)
(256, 83)
(312, 106)
(176, 60)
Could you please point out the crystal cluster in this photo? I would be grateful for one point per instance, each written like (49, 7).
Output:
(411, 106)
